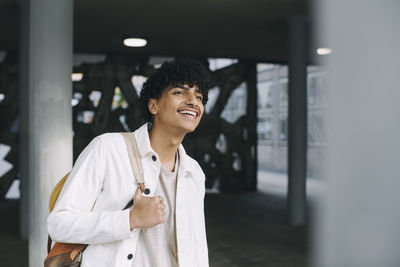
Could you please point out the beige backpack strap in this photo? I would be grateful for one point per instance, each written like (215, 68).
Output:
(134, 158)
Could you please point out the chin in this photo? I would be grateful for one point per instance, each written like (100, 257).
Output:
(189, 129)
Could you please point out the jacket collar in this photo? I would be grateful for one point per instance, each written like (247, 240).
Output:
(143, 140)
(144, 146)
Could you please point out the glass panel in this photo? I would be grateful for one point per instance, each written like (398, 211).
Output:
(283, 92)
(213, 94)
(265, 94)
(264, 129)
(316, 85)
(264, 67)
(236, 105)
(137, 82)
(316, 128)
(220, 63)
(283, 129)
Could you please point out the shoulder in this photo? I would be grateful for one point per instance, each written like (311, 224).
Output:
(109, 139)
(107, 145)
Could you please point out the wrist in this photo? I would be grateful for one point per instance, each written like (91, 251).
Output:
(132, 221)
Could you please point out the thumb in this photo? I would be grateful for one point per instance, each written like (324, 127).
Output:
(138, 194)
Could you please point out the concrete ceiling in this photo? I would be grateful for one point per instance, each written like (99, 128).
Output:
(247, 29)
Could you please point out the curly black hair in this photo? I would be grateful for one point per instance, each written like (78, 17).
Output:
(171, 73)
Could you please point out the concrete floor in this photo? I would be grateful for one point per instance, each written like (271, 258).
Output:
(251, 230)
(242, 229)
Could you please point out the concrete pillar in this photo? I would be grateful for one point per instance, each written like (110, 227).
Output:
(49, 111)
(23, 118)
(297, 121)
(358, 216)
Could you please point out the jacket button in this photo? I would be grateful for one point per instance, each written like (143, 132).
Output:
(147, 191)
(130, 256)
(154, 158)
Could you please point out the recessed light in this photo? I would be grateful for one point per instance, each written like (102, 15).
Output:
(324, 51)
(76, 77)
(135, 42)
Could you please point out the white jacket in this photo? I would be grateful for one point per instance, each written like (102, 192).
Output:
(89, 208)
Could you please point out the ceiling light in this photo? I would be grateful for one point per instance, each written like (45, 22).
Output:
(76, 77)
(135, 42)
(324, 51)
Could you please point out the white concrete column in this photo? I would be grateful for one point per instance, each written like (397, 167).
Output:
(358, 217)
(49, 111)
(297, 121)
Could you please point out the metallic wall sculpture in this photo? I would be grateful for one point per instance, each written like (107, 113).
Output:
(232, 164)
(9, 110)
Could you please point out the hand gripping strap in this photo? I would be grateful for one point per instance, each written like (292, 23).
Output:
(134, 158)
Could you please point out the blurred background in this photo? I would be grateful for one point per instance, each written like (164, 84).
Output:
(298, 143)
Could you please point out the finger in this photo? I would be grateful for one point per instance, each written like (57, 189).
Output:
(163, 213)
(138, 194)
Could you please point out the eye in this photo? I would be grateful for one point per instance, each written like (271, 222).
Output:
(199, 97)
(178, 92)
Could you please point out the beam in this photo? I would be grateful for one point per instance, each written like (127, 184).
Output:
(251, 112)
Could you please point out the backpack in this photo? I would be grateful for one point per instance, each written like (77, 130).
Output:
(56, 192)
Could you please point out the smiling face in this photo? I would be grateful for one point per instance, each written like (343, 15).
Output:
(180, 108)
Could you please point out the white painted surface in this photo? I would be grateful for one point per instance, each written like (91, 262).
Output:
(358, 216)
(49, 111)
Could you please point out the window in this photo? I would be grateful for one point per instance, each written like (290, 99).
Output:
(283, 92)
(264, 129)
(316, 85)
(265, 94)
(283, 129)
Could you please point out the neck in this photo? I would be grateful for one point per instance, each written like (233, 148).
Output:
(165, 142)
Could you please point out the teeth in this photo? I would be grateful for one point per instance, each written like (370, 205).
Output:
(188, 112)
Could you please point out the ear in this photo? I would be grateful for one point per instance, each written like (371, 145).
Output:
(152, 105)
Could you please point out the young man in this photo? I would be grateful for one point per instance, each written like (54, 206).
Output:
(165, 227)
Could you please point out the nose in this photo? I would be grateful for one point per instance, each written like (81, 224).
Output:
(192, 100)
